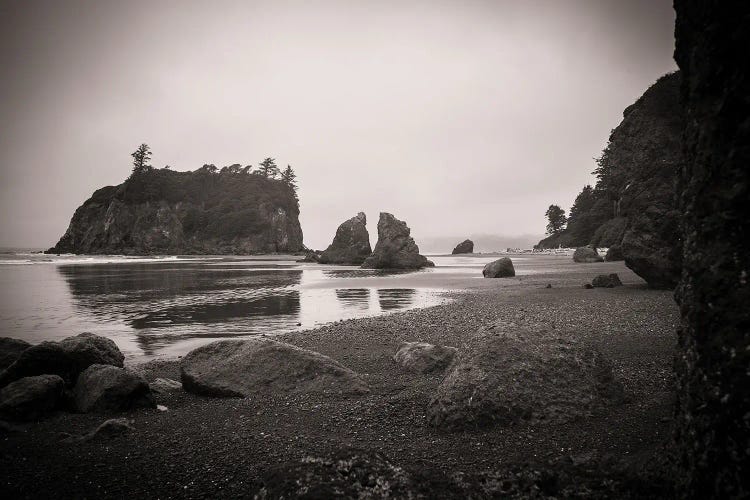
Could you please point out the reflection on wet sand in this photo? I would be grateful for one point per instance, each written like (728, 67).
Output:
(354, 297)
(395, 298)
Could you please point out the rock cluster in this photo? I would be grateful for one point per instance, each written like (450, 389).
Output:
(466, 246)
(586, 255)
(500, 268)
(395, 248)
(421, 357)
(351, 245)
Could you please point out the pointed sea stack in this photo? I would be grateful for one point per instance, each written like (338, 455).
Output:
(395, 249)
(466, 246)
(351, 245)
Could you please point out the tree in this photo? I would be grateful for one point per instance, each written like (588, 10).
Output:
(289, 177)
(141, 157)
(268, 169)
(556, 217)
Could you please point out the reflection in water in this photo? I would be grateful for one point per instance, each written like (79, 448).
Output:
(354, 297)
(365, 273)
(395, 298)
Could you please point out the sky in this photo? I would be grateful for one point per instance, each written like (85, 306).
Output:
(461, 118)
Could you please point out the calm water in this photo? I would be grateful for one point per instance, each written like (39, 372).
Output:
(169, 305)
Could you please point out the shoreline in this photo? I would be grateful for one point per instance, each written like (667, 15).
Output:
(207, 447)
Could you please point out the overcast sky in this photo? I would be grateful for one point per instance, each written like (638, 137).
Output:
(459, 117)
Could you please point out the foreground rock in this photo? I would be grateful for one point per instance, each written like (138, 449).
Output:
(466, 246)
(109, 429)
(31, 397)
(395, 248)
(67, 358)
(510, 376)
(500, 268)
(351, 245)
(10, 351)
(646, 252)
(420, 357)
(606, 281)
(586, 255)
(243, 368)
(106, 388)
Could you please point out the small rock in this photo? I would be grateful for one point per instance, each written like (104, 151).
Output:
(109, 429)
(549, 285)
(588, 286)
(500, 268)
(421, 357)
(164, 385)
(606, 281)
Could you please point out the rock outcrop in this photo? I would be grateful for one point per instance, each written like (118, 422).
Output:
(67, 358)
(107, 388)
(606, 281)
(421, 357)
(509, 376)
(201, 212)
(351, 245)
(586, 255)
(395, 248)
(10, 350)
(241, 368)
(30, 398)
(466, 246)
(713, 381)
(614, 254)
(500, 268)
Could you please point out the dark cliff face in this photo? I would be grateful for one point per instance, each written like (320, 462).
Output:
(200, 212)
(713, 414)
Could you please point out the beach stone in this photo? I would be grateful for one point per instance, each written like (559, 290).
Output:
(508, 376)
(109, 429)
(586, 255)
(395, 248)
(466, 246)
(614, 254)
(105, 388)
(165, 385)
(30, 398)
(241, 368)
(351, 245)
(421, 357)
(10, 350)
(67, 358)
(606, 281)
(500, 268)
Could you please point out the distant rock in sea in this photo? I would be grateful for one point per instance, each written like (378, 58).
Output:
(466, 246)
(395, 248)
(160, 211)
(351, 245)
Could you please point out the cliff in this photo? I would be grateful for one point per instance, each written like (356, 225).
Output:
(160, 211)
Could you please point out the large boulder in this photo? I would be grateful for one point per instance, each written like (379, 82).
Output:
(466, 246)
(395, 248)
(10, 350)
(586, 255)
(500, 268)
(504, 377)
(351, 245)
(30, 398)
(67, 358)
(107, 388)
(241, 368)
(651, 247)
(421, 357)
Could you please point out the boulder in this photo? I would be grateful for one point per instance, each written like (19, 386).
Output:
(241, 368)
(67, 358)
(586, 255)
(606, 281)
(395, 248)
(614, 254)
(106, 388)
(109, 429)
(651, 247)
(466, 246)
(421, 357)
(506, 376)
(10, 350)
(165, 385)
(351, 245)
(30, 398)
(500, 268)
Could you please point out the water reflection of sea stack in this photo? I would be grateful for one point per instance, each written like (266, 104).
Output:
(358, 298)
(395, 298)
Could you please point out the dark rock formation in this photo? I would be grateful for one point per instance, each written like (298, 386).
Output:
(67, 358)
(106, 388)
(351, 245)
(586, 255)
(421, 357)
(201, 212)
(506, 376)
(311, 256)
(30, 398)
(395, 248)
(10, 350)
(240, 368)
(606, 281)
(614, 254)
(466, 246)
(713, 431)
(500, 268)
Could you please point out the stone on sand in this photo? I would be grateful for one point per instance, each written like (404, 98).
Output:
(107, 388)
(500, 268)
(421, 357)
(30, 398)
(606, 281)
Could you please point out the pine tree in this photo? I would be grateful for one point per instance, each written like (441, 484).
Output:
(557, 220)
(141, 157)
(289, 177)
(268, 169)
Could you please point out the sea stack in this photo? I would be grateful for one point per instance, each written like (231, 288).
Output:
(466, 246)
(351, 245)
(395, 248)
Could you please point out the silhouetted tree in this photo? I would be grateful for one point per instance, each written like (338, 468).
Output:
(141, 157)
(556, 217)
(289, 177)
(268, 169)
